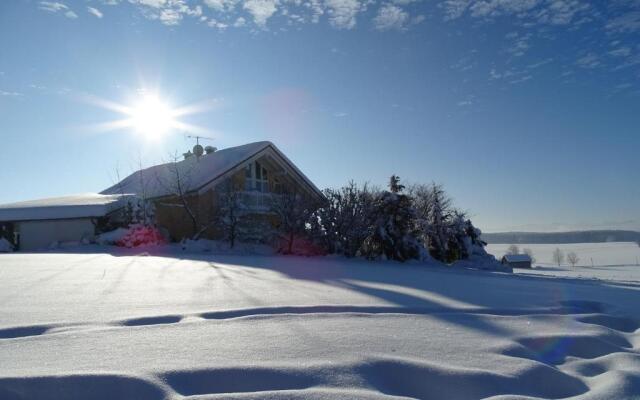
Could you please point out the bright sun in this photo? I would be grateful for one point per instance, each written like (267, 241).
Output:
(151, 117)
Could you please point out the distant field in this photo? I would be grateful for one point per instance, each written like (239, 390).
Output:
(616, 253)
(617, 260)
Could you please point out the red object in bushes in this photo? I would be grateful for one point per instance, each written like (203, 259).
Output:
(141, 235)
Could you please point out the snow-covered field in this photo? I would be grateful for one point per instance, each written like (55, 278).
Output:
(619, 260)
(116, 326)
(602, 254)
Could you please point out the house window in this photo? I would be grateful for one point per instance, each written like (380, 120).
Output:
(277, 186)
(256, 178)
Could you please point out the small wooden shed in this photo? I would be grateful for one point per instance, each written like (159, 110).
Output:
(517, 260)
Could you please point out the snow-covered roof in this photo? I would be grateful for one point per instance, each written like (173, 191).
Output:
(517, 258)
(196, 172)
(76, 206)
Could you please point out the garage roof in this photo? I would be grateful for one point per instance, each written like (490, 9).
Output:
(76, 206)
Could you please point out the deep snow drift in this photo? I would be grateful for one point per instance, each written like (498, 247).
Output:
(148, 327)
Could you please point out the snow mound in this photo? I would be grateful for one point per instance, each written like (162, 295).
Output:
(90, 386)
(5, 246)
(194, 325)
(112, 237)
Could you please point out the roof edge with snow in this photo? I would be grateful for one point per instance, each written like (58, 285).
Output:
(86, 205)
(153, 182)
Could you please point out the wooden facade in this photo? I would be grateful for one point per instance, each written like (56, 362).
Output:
(517, 260)
(172, 217)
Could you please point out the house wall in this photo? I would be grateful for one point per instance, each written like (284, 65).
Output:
(172, 217)
(40, 234)
(520, 264)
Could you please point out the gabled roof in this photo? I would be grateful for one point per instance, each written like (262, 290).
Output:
(517, 258)
(197, 172)
(76, 206)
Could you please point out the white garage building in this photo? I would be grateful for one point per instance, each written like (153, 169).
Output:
(36, 224)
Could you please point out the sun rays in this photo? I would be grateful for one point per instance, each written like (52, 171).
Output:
(151, 116)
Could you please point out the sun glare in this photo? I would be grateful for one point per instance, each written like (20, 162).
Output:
(151, 117)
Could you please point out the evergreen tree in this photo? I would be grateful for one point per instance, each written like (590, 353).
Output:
(466, 238)
(138, 211)
(394, 184)
(391, 231)
(438, 240)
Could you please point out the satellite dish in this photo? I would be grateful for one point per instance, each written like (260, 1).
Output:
(198, 150)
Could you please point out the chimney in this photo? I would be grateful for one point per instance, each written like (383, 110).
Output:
(210, 149)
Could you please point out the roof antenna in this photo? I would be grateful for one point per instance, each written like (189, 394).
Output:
(198, 150)
(197, 138)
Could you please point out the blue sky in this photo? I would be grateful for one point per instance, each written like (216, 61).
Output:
(528, 111)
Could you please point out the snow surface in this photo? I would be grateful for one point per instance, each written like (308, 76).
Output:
(74, 206)
(112, 237)
(179, 324)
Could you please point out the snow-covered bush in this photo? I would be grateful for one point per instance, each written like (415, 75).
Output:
(5, 246)
(141, 235)
(112, 237)
(464, 238)
(391, 233)
(396, 224)
(444, 230)
(138, 210)
(434, 217)
(294, 212)
(135, 228)
(340, 225)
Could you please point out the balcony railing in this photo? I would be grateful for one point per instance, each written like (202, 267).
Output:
(258, 201)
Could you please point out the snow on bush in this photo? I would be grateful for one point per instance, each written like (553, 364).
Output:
(417, 223)
(112, 237)
(141, 235)
(392, 234)
(5, 246)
